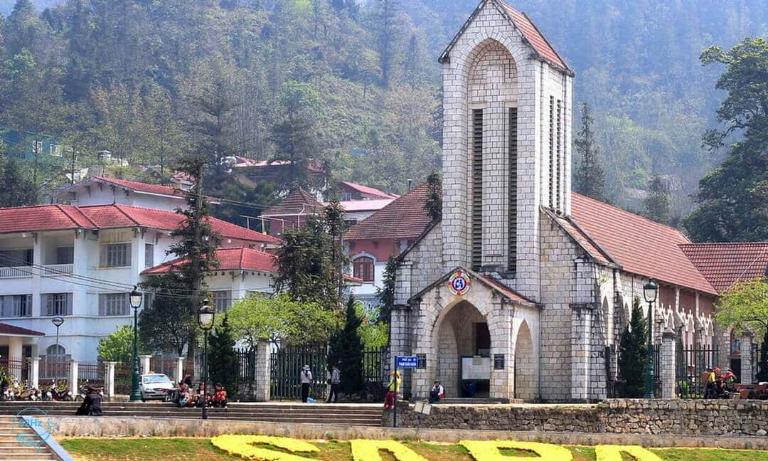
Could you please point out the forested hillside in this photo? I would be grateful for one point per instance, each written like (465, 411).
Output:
(352, 82)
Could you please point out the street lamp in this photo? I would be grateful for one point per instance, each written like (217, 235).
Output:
(205, 319)
(135, 300)
(57, 322)
(650, 290)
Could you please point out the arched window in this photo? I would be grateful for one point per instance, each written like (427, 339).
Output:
(56, 350)
(362, 268)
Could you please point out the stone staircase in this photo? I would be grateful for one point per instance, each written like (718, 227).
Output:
(20, 443)
(332, 414)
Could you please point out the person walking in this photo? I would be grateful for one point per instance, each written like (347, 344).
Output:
(390, 400)
(305, 379)
(335, 380)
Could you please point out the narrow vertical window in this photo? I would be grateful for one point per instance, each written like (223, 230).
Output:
(477, 188)
(559, 175)
(551, 152)
(512, 229)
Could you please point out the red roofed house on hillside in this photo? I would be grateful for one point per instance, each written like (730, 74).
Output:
(385, 234)
(523, 288)
(100, 190)
(80, 262)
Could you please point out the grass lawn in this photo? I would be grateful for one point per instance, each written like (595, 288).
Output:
(185, 449)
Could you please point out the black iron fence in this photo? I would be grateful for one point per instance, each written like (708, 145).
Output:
(691, 366)
(285, 372)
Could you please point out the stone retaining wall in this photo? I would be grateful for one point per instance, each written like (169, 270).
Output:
(674, 417)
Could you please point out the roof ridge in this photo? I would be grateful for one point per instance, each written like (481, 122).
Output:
(86, 217)
(754, 243)
(136, 223)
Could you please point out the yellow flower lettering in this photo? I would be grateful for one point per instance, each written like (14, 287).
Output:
(368, 450)
(490, 450)
(613, 453)
(243, 446)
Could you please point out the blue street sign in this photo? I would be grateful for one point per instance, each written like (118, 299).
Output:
(406, 361)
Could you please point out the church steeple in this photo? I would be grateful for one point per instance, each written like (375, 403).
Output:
(506, 145)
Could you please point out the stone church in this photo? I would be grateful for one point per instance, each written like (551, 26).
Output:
(522, 290)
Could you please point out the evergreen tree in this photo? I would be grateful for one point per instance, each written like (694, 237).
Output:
(16, 188)
(168, 323)
(347, 350)
(589, 177)
(633, 353)
(387, 292)
(434, 203)
(762, 364)
(222, 358)
(656, 205)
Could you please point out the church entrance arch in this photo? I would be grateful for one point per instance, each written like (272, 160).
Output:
(463, 352)
(525, 365)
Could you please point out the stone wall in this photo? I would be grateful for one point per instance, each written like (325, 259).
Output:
(664, 417)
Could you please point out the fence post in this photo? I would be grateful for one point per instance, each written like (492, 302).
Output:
(746, 357)
(73, 376)
(34, 372)
(145, 366)
(110, 379)
(262, 372)
(668, 366)
(179, 369)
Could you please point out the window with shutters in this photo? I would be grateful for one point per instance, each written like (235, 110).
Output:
(551, 152)
(55, 304)
(559, 172)
(16, 305)
(222, 300)
(115, 255)
(149, 255)
(363, 268)
(477, 189)
(114, 304)
(512, 209)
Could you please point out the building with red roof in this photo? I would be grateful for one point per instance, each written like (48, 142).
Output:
(79, 262)
(523, 289)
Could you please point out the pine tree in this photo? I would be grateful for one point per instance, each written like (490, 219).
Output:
(387, 292)
(222, 358)
(16, 189)
(656, 205)
(762, 364)
(434, 204)
(589, 178)
(347, 351)
(633, 353)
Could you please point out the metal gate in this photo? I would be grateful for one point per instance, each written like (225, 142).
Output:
(285, 370)
(691, 366)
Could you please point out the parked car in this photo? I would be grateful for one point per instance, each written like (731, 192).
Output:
(156, 386)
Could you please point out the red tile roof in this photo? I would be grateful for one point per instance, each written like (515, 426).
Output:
(247, 259)
(637, 244)
(367, 190)
(724, 264)
(580, 237)
(403, 219)
(351, 206)
(68, 217)
(298, 201)
(534, 36)
(43, 218)
(6, 329)
(137, 186)
(531, 35)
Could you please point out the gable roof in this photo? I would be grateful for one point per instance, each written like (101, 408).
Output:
(298, 201)
(724, 264)
(372, 192)
(528, 30)
(13, 330)
(403, 219)
(230, 259)
(96, 217)
(141, 187)
(637, 244)
(488, 281)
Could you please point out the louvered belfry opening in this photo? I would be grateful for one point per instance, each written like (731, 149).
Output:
(477, 188)
(559, 175)
(551, 152)
(512, 208)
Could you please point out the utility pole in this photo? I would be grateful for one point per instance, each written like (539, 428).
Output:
(74, 156)
(36, 151)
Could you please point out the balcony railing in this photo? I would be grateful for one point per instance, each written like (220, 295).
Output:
(15, 272)
(54, 270)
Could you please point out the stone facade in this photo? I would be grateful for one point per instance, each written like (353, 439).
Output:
(678, 417)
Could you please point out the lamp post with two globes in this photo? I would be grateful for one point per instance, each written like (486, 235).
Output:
(205, 317)
(135, 300)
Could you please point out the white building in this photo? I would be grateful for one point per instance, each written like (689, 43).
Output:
(80, 263)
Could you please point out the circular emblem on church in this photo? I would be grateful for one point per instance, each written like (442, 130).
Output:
(459, 283)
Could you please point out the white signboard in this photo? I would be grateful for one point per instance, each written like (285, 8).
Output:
(476, 368)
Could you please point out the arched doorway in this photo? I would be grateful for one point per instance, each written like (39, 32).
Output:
(525, 366)
(463, 351)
